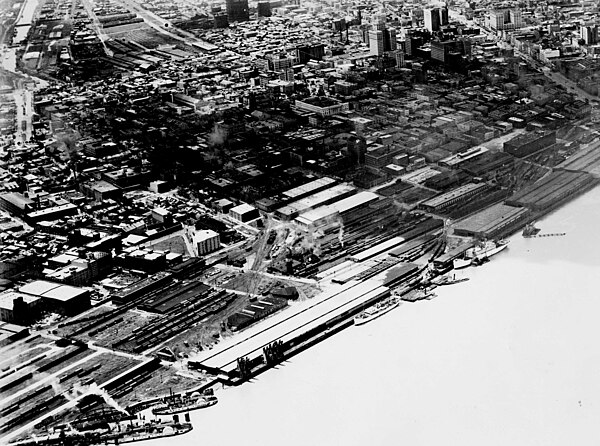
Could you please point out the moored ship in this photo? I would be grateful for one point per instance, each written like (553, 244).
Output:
(482, 253)
(375, 311)
(182, 404)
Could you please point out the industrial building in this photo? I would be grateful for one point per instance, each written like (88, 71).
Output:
(490, 222)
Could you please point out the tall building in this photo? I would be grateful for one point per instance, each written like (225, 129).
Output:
(264, 9)
(399, 56)
(237, 10)
(432, 19)
(382, 39)
(441, 51)
(589, 34)
(221, 20)
(501, 19)
(444, 16)
(376, 43)
(315, 51)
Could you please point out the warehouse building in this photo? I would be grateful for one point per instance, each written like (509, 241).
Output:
(335, 212)
(551, 190)
(313, 201)
(205, 241)
(307, 189)
(457, 159)
(529, 143)
(244, 213)
(442, 202)
(490, 222)
(58, 298)
(19, 308)
(15, 204)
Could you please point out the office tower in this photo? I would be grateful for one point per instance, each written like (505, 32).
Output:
(381, 40)
(221, 20)
(399, 55)
(237, 10)
(376, 42)
(264, 9)
(505, 19)
(390, 42)
(589, 34)
(432, 19)
(444, 16)
(304, 53)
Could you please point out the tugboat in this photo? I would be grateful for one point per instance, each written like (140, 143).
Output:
(375, 311)
(530, 230)
(179, 403)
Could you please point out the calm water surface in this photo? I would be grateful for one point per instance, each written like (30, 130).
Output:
(510, 357)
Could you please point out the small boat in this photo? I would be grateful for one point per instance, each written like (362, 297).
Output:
(462, 263)
(446, 280)
(420, 295)
(375, 311)
(530, 230)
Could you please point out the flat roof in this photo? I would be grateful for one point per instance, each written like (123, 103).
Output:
(359, 199)
(291, 323)
(17, 199)
(455, 193)
(243, 208)
(378, 249)
(314, 200)
(490, 218)
(307, 188)
(52, 290)
(7, 299)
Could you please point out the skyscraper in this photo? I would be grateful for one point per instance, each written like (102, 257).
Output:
(237, 10)
(264, 9)
(376, 42)
(382, 39)
(444, 16)
(432, 19)
(505, 19)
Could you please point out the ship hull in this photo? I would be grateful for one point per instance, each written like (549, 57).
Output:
(172, 410)
(369, 318)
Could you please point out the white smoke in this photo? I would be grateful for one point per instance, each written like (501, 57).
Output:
(341, 234)
(218, 136)
(94, 389)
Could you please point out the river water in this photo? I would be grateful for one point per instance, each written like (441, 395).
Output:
(509, 357)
